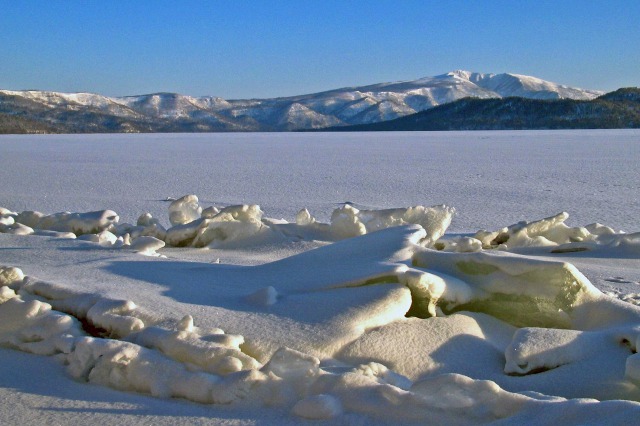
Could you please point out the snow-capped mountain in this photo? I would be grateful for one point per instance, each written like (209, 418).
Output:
(614, 110)
(346, 106)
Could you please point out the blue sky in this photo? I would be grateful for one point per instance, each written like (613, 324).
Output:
(242, 49)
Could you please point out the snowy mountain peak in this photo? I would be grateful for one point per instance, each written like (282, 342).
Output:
(347, 106)
(460, 74)
(467, 75)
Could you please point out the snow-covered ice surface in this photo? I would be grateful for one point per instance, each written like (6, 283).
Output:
(336, 278)
(492, 178)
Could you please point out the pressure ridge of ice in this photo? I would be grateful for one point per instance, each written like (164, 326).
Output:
(386, 317)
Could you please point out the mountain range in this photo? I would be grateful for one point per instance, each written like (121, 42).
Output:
(31, 111)
(616, 110)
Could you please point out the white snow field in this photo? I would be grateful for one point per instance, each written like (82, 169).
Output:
(292, 278)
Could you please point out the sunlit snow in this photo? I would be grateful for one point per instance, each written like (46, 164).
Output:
(355, 279)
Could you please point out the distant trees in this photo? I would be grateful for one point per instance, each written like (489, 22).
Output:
(619, 109)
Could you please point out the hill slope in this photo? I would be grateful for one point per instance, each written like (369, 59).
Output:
(619, 109)
(172, 112)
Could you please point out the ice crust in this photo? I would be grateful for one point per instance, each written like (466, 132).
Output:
(241, 225)
(553, 232)
(493, 323)
(227, 227)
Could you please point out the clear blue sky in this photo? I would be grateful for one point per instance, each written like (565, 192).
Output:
(241, 49)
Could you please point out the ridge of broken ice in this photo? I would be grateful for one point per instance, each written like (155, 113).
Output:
(344, 320)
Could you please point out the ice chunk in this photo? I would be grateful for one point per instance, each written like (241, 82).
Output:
(348, 221)
(115, 316)
(210, 212)
(125, 228)
(130, 367)
(147, 245)
(10, 275)
(146, 225)
(550, 231)
(146, 219)
(16, 229)
(184, 210)
(229, 364)
(7, 220)
(79, 223)
(426, 289)
(32, 326)
(288, 363)
(304, 218)
(232, 224)
(435, 220)
(217, 352)
(345, 223)
(467, 244)
(186, 323)
(520, 290)
(104, 238)
(54, 234)
(155, 230)
(318, 407)
(150, 230)
(183, 235)
(29, 218)
(600, 229)
(383, 375)
(6, 293)
(7, 212)
(59, 297)
(461, 244)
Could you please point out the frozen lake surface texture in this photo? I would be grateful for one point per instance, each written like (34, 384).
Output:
(342, 278)
(491, 178)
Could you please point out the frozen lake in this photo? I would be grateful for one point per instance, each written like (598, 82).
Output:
(492, 178)
(280, 321)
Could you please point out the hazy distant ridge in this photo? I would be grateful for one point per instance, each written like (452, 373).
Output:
(40, 111)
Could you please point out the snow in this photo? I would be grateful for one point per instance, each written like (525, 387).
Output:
(288, 301)
(147, 245)
(356, 105)
(318, 407)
